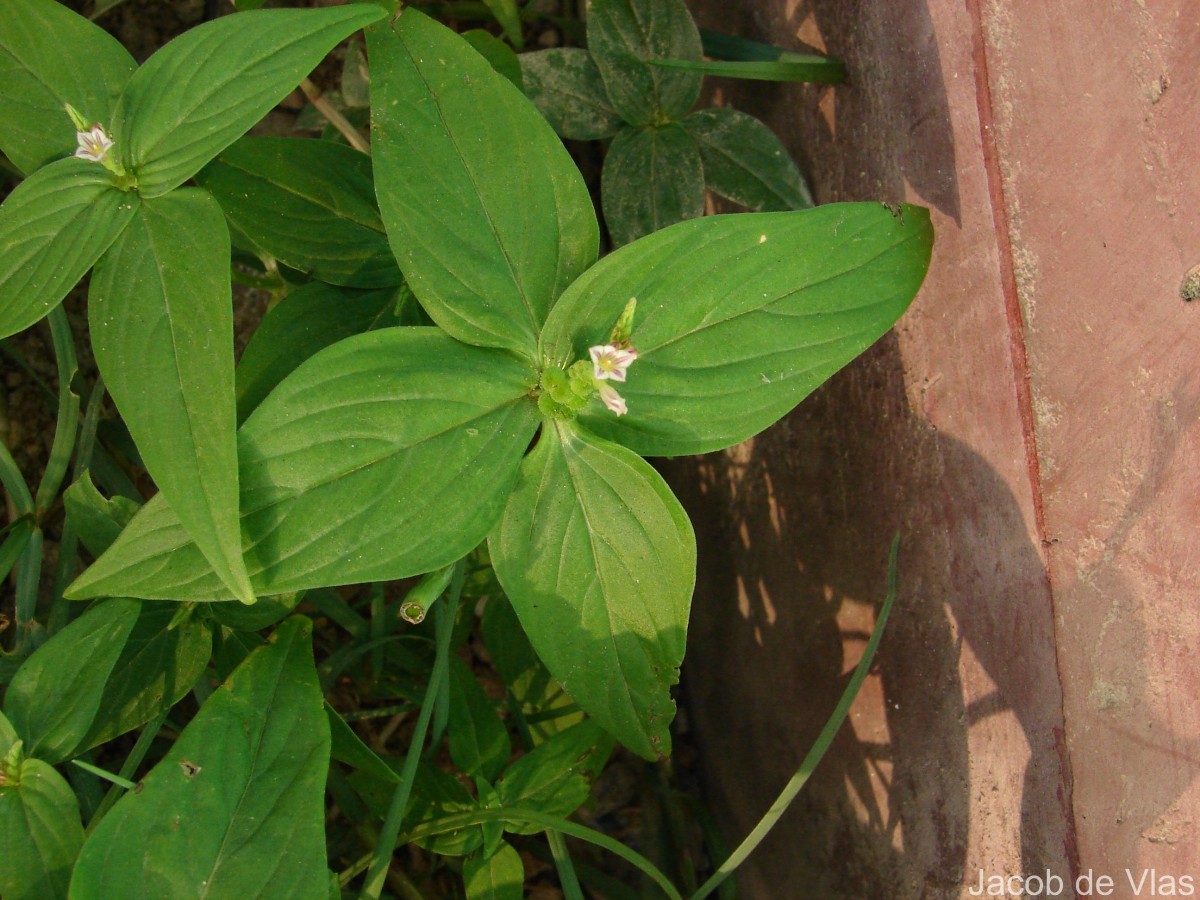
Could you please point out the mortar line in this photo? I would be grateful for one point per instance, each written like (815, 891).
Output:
(1018, 351)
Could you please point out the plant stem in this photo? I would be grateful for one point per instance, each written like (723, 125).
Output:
(132, 761)
(68, 412)
(382, 857)
(335, 118)
(566, 869)
(823, 742)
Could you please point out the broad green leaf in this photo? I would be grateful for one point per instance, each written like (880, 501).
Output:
(745, 162)
(565, 85)
(740, 317)
(652, 178)
(623, 36)
(497, 53)
(307, 320)
(487, 215)
(500, 876)
(8, 734)
(236, 808)
(599, 561)
(49, 56)
(386, 455)
(40, 833)
(308, 203)
(54, 696)
(53, 228)
(158, 665)
(97, 522)
(161, 319)
(556, 777)
(203, 90)
(509, 16)
(812, 70)
(479, 742)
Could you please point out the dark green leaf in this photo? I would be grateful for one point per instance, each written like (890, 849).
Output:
(745, 162)
(478, 739)
(740, 317)
(487, 215)
(203, 90)
(497, 53)
(54, 696)
(236, 808)
(40, 833)
(652, 178)
(264, 613)
(310, 204)
(500, 876)
(811, 71)
(97, 522)
(598, 559)
(53, 228)
(161, 320)
(348, 748)
(565, 85)
(309, 319)
(49, 56)
(556, 777)
(157, 667)
(623, 36)
(435, 795)
(386, 455)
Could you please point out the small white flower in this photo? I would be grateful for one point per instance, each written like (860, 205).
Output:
(610, 361)
(94, 144)
(613, 400)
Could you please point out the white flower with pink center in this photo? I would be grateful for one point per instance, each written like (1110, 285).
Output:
(610, 362)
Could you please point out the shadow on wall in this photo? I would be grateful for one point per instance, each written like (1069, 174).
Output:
(794, 529)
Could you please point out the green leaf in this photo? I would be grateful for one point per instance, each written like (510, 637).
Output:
(556, 777)
(347, 747)
(236, 808)
(599, 561)
(745, 162)
(40, 833)
(97, 522)
(54, 696)
(509, 16)
(740, 317)
(435, 795)
(386, 455)
(565, 85)
(497, 53)
(158, 665)
(652, 178)
(310, 204)
(263, 614)
(623, 36)
(479, 742)
(203, 90)
(53, 228)
(49, 56)
(500, 876)
(161, 320)
(307, 320)
(487, 215)
(813, 70)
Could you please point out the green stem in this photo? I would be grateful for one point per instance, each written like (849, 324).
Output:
(117, 780)
(518, 815)
(566, 869)
(68, 412)
(382, 857)
(29, 574)
(128, 768)
(822, 744)
(14, 483)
